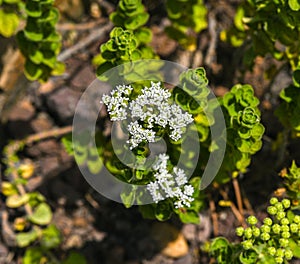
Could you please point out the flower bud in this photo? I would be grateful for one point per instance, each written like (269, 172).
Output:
(284, 221)
(279, 206)
(268, 221)
(265, 236)
(280, 252)
(247, 244)
(285, 234)
(252, 220)
(288, 254)
(272, 210)
(239, 231)
(297, 219)
(280, 215)
(276, 228)
(265, 229)
(255, 231)
(286, 203)
(273, 201)
(248, 233)
(272, 251)
(294, 228)
(283, 242)
(279, 260)
(285, 228)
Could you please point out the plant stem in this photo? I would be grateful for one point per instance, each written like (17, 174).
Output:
(235, 211)
(238, 195)
(214, 215)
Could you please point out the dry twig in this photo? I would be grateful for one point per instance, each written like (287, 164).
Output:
(93, 36)
(238, 195)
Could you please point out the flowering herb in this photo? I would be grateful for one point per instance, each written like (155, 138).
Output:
(150, 112)
(170, 185)
(153, 109)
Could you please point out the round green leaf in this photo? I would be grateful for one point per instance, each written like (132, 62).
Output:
(32, 71)
(25, 239)
(15, 201)
(51, 237)
(42, 215)
(33, 255)
(294, 5)
(8, 23)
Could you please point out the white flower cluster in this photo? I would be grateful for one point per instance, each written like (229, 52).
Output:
(117, 102)
(152, 107)
(169, 185)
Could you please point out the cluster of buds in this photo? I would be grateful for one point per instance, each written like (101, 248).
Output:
(275, 231)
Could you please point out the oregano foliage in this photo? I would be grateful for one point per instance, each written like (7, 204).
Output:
(188, 18)
(39, 42)
(267, 27)
(9, 18)
(289, 108)
(131, 17)
(244, 130)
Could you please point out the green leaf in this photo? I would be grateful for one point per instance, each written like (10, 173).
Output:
(8, 23)
(189, 216)
(238, 19)
(144, 35)
(33, 256)
(15, 201)
(257, 131)
(32, 71)
(294, 247)
(294, 5)
(33, 9)
(147, 211)
(25, 239)
(248, 257)
(75, 258)
(32, 31)
(42, 215)
(51, 237)
(11, 1)
(128, 195)
(59, 68)
(219, 243)
(104, 67)
(163, 211)
(296, 77)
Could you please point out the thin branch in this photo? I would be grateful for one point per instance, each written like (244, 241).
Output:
(234, 209)
(238, 195)
(57, 132)
(214, 216)
(212, 29)
(80, 27)
(92, 37)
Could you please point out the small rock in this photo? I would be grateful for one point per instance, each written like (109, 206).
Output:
(62, 104)
(50, 166)
(42, 148)
(170, 240)
(18, 119)
(83, 78)
(74, 241)
(23, 111)
(187, 259)
(189, 232)
(41, 123)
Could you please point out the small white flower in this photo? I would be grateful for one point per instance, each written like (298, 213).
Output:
(181, 178)
(173, 185)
